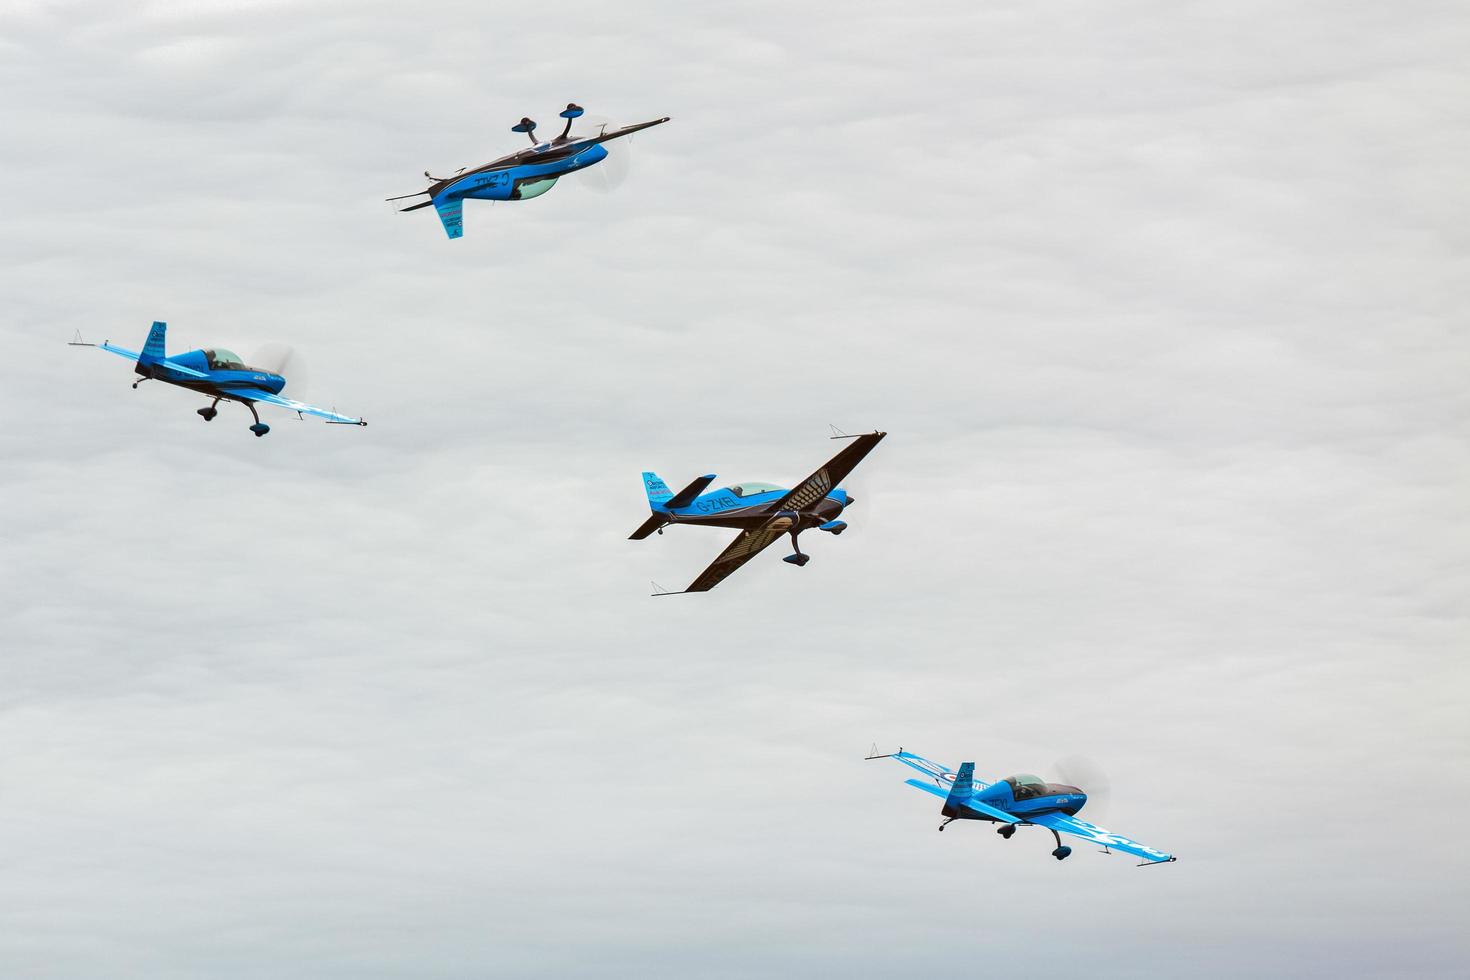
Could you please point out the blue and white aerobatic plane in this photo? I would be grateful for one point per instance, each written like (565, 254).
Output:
(763, 512)
(215, 373)
(1016, 801)
(520, 176)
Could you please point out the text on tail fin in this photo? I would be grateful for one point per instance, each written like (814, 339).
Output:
(657, 490)
(153, 347)
(964, 783)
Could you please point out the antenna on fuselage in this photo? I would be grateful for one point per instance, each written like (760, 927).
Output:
(572, 111)
(527, 126)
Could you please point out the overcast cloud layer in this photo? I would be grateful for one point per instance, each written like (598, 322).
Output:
(1161, 303)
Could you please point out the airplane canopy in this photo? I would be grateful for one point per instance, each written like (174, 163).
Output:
(1024, 786)
(751, 489)
(224, 360)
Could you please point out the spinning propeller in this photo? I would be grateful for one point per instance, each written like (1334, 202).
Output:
(609, 175)
(1088, 776)
(283, 360)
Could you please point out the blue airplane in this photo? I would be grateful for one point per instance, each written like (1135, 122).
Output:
(216, 373)
(1016, 801)
(521, 175)
(762, 511)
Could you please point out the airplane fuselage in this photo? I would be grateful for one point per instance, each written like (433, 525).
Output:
(224, 383)
(725, 508)
(1050, 798)
(520, 176)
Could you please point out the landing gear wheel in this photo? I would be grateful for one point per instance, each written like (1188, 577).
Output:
(208, 414)
(259, 428)
(1006, 830)
(797, 559)
(1061, 853)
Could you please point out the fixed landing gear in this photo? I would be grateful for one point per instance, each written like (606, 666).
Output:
(259, 428)
(1062, 849)
(797, 559)
(208, 414)
(947, 822)
(1006, 830)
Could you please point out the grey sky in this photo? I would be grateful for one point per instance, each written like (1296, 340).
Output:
(1163, 305)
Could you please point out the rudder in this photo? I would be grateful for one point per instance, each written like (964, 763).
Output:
(658, 495)
(657, 490)
(451, 213)
(153, 346)
(964, 785)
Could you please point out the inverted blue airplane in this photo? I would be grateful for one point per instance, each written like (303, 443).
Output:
(762, 511)
(216, 373)
(1016, 801)
(521, 175)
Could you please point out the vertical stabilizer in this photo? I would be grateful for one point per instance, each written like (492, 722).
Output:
(153, 348)
(451, 213)
(657, 490)
(964, 785)
(658, 496)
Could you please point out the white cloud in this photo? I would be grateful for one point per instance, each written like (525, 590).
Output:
(1161, 306)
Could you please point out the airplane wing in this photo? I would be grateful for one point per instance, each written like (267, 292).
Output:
(624, 131)
(132, 355)
(1064, 824)
(746, 546)
(256, 395)
(817, 486)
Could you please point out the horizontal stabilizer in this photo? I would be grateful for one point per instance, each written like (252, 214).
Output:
(135, 356)
(927, 787)
(648, 527)
(687, 496)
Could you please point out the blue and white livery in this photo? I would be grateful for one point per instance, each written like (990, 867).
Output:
(1016, 801)
(216, 373)
(528, 173)
(764, 512)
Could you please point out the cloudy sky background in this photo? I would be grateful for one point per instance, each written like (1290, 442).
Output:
(1162, 305)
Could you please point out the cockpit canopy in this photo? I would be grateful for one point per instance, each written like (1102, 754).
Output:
(224, 360)
(1024, 786)
(751, 489)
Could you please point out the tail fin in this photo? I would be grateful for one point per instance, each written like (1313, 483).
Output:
(153, 347)
(657, 490)
(964, 785)
(451, 213)
(658, 496)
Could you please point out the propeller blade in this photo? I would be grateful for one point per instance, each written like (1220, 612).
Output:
(609, 175)
(415, 207)
(282, 359)
(404, 197)
(1088, 776)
